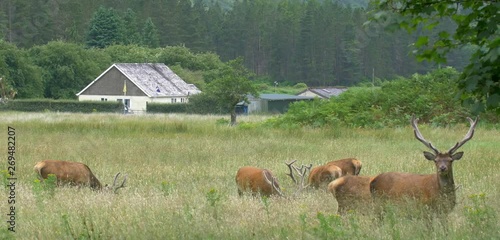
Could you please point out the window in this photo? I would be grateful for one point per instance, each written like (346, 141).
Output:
(174, 100)
(104, 99)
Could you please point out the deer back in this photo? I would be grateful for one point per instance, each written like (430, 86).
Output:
(351, 191)
(257, 180)
(73, 173)
(398, 186)
(348, 165)
(324, 174)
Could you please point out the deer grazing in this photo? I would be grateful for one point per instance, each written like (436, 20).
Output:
(324, 174)
(73, 173)
(258, 181)
(352, 192)
(437, 191)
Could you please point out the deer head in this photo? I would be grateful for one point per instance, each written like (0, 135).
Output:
(443, 160)
(115, 187)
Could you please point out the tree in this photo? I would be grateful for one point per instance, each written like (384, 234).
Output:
(67, 67)
(20, 74)
(105, 28)
(476, 24)
(131, 28)
(231, 86)
(150, 35)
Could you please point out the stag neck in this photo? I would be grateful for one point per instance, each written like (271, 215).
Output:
(446, 182)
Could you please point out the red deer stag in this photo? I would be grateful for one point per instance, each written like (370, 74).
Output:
(324, 174)
(258, 181)
(352, 192)
(437, 191)
(73, 173)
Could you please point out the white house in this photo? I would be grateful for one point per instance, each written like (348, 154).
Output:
(136, 84)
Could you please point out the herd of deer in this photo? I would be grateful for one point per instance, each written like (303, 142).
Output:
(341, 178)
(436, 191)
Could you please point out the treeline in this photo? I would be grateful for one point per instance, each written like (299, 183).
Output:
(59, 70)
(319, 43)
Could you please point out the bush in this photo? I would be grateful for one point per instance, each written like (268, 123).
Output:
(167, 108)
(431, 97)
(41, 105)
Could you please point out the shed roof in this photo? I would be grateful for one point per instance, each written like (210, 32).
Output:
(275, 96)
(154, 79)
(327, 92)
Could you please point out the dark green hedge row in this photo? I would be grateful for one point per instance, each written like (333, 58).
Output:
(167, 108)
(40, 105)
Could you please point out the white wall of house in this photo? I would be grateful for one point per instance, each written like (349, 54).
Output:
(137, 104)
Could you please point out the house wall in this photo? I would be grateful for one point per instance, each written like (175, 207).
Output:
(111, 83)
(137, 104)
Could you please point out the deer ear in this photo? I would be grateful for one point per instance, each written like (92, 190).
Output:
(429, 156)
(457, 155)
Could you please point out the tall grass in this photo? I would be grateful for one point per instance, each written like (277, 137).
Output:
(181, 185)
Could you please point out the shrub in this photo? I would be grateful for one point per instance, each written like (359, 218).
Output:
(431, 97)
(41, 105)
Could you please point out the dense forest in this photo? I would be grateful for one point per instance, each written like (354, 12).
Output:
(316, 42)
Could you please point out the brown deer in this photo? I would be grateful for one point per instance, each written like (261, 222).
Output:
(437, 191)
(73, 173)
(324, 174)
(258, 181)
(352, 192)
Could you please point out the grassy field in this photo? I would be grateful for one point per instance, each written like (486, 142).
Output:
(181, 183)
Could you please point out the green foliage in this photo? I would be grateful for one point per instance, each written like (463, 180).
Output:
(67, 67)
(105, 28)
(167, 108)
(300, 86)
(431, 97)
(476, 24)
(230, 86)
(45, 188)
(131, 28)
(204, 103)
(19, 72)
(214, 199)
(41, 105)
(150, 34)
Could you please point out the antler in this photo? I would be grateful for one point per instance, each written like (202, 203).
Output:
(419, 136)
(302, 172)
(467, 137)
(291, 171)
(122, 185)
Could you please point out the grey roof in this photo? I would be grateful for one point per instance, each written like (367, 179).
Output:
(154, 79)
(327, 92)
(274, 96)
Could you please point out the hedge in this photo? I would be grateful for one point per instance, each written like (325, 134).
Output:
(167, 108)
(41, 105)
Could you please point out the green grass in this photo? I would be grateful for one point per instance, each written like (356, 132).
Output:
(181, 185)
